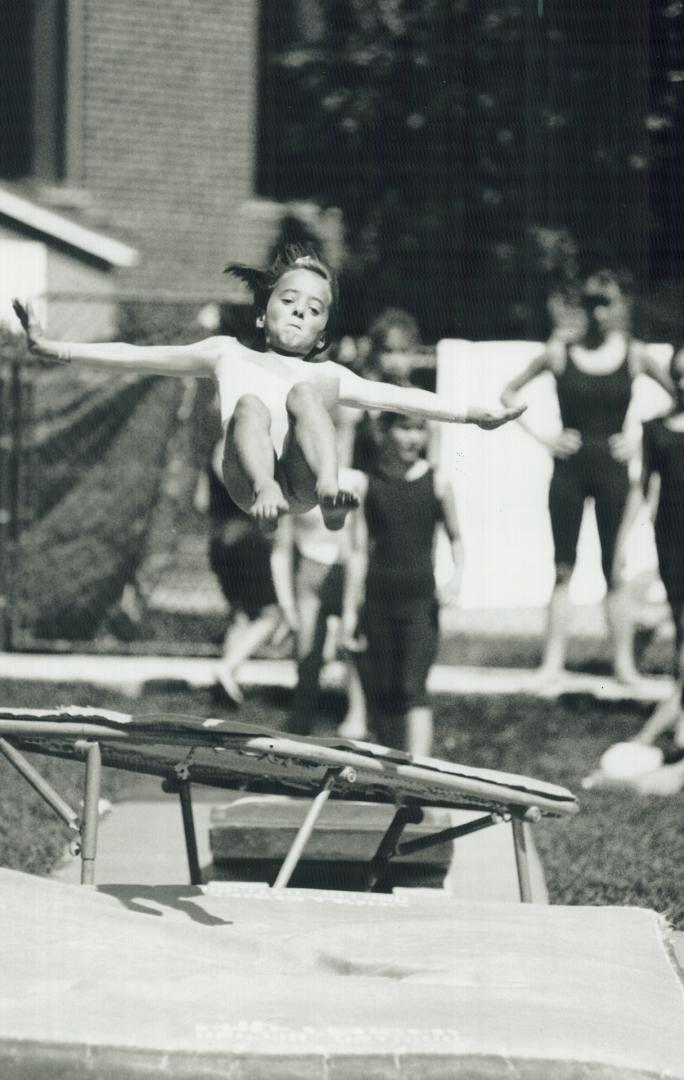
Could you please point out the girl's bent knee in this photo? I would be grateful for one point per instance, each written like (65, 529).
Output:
(301, 397)
(249, 405)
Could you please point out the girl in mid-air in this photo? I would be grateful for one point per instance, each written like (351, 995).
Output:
(280, 451)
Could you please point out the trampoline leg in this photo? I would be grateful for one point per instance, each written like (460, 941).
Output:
(388, 845)
(91, 803)
(521, 860)
(189, 830)
(40, 785)
(305, 829)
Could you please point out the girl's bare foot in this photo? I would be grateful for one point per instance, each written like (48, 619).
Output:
(335, 505)
(229, 684)
(268, 506)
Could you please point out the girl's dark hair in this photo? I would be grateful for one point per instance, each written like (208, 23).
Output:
(605, 277)
(261, 283)
(391, 319)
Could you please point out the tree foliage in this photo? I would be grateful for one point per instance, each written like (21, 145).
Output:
(481, 151)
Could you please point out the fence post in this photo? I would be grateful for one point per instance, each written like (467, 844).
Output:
(14, 386)
(5, 512)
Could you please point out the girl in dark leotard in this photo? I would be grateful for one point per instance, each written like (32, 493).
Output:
(403, 503)
(594, 377)
(662, 485)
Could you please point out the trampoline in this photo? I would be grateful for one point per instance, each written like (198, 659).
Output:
(187, 750)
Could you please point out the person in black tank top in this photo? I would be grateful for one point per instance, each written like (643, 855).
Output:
(594, 377)
(403, 503)
(662, 486)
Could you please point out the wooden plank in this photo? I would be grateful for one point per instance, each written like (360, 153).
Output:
(264, 828)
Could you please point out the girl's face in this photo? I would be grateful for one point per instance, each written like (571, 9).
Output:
(677, 371)
(407, 438)
(394, 358)
(603, 305)
(297, 313)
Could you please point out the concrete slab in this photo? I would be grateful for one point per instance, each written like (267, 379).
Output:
(142, 841)
(130, 674)
(242, 981)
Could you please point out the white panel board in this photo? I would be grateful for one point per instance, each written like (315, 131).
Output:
(23, 273)
(501, 480)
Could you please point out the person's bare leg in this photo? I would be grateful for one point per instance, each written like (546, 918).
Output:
(669, 714)
(252, 636)
(419, 730)
(621, 629)
(663, 718)
(249, 463)
(556, 640)
(309, 461)
(240, 645)
(355, 723)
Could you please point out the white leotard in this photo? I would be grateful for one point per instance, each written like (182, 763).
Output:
(269, 376)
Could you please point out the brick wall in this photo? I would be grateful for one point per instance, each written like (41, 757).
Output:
(169, 132)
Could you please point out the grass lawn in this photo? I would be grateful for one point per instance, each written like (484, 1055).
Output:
(621, 849)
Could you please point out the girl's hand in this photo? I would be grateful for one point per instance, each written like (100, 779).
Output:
(621, 447)
(449, 593)
(565, 444)
(35, 337)
(488, 419)
(351, 646)
(350, 641)
(31, 326)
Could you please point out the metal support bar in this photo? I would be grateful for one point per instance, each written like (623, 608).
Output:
(185, 797)
(445, 835)
(521, 860)
(388, 845)
(40, 785)
(91, 806)
(307, 827)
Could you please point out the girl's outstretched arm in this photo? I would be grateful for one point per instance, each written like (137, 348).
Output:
(411, 400)
(198, 359)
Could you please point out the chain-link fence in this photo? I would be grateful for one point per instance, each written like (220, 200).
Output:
(103, 540)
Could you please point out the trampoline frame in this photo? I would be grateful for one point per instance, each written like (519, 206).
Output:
(176, 779)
